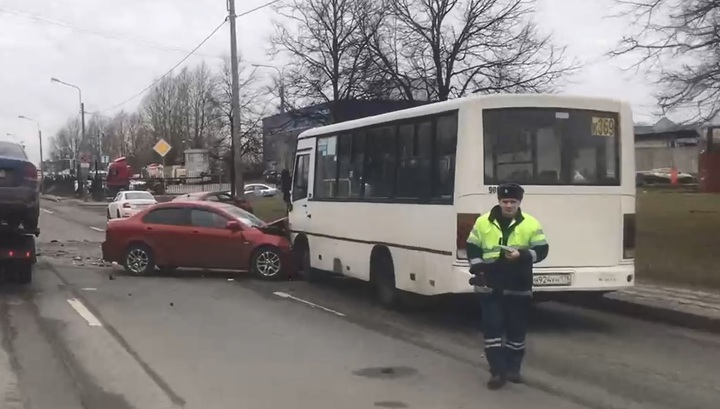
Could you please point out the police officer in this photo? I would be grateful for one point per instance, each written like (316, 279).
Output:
(502, 248)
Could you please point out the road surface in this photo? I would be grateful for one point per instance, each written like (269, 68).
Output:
(78, 339)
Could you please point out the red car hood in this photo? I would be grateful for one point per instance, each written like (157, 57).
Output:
(278, 227)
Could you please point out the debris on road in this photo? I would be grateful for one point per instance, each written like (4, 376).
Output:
(74, 252)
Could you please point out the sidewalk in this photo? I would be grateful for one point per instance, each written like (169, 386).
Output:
(74, 201)
(697, 309)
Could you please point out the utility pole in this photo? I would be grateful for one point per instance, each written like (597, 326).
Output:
(82, 122)
(236, 144)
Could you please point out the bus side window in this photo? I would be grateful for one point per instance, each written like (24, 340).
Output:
(301, 177)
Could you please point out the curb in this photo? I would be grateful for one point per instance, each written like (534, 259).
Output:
(92, 204)
(656, 313)
(51, 198)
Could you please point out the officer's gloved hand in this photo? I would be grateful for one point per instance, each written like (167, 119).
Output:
(478, 280)
(477, 268)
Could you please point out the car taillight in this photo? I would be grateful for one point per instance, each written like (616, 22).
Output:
(629, 236)
(31, 172)
(465, 223)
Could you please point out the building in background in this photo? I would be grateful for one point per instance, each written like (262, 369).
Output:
(667, 144)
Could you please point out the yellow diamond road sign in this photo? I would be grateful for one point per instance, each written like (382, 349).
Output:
(162, 147)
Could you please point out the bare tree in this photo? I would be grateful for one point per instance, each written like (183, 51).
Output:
(678, 43)
(252, 108)
(203, 107)
(438, 49)
(66, 143)
(328, 52)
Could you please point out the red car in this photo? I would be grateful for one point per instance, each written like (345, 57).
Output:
(195, 234)
(221, 197)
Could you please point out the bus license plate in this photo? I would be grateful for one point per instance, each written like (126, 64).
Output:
(548, 280)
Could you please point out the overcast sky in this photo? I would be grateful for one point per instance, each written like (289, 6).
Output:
(113, 49)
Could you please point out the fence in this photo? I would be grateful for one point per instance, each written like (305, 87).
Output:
(685, 158)
(179, 186)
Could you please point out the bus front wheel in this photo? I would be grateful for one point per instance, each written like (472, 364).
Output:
(305, 270)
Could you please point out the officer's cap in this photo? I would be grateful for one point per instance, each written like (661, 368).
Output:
(510, 191)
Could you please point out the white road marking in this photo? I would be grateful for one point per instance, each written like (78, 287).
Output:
(89, 289)
(48, 211)
(286, 295)
(84, 312)
(97, 229)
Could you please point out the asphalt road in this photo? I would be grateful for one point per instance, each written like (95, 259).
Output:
(201, 340)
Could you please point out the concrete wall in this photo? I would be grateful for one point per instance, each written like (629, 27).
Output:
(685, 158)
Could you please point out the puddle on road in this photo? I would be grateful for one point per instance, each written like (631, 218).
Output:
(386, 372)
(391, 404)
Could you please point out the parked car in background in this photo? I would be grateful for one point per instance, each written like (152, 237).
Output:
(127, 203)
(197, 234)
(261, 190)
(19, 193)
(662, 176)
(220, 197)
(272, 176)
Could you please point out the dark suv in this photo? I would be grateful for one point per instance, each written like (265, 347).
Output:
(19, 193)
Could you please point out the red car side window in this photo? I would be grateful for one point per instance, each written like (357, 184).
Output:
(208, 219)
(172, 216)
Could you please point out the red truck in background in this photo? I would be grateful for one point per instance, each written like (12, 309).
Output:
(118, 176)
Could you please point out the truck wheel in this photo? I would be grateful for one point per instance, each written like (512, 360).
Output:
(139, 260)
(23, 273)
(31, 219)
(31, 224)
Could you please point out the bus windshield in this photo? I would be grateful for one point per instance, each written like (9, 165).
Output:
(551, 146)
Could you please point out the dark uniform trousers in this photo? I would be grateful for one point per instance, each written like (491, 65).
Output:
(504, 316)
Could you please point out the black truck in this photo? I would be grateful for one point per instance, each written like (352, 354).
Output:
(18, 253)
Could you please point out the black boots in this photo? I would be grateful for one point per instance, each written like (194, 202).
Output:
(498, 381)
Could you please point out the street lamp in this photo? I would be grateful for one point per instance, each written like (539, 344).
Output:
(282, 83)
(12, 135)
(82, 112)
(42, 165)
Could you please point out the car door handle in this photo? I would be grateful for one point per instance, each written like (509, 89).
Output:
(148, 228)
(308, 215)
(196, 231)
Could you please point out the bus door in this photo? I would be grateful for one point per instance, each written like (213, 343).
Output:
(300, 213)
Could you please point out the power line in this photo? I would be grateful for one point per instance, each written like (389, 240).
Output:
(70, 26)
(244, 13)
(190, 54)
(170, 70)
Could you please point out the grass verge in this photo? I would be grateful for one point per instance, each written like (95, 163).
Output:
(268, 209)
(678, 238)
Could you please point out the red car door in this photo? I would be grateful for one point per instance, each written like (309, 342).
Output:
(217, 245)
(165, 230)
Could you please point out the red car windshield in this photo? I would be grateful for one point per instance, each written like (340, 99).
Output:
(244, 217)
